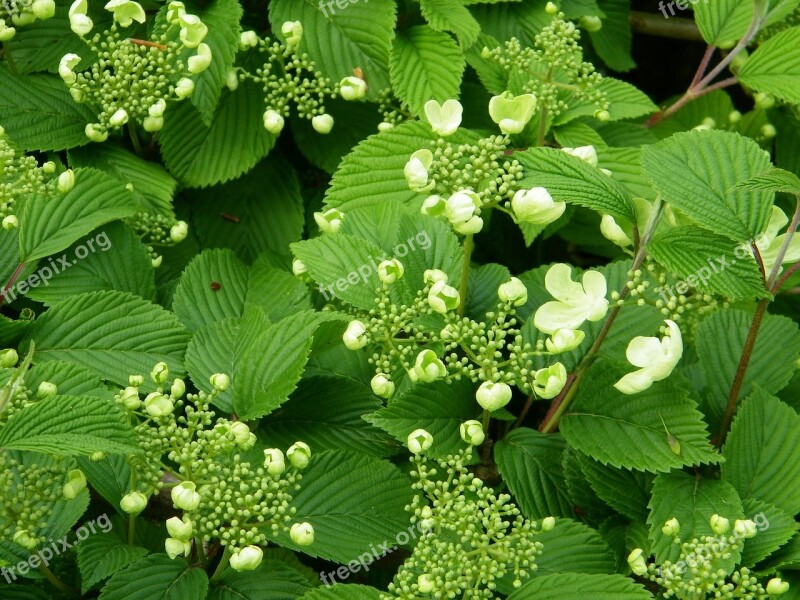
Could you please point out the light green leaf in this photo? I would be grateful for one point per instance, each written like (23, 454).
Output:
(210, 351)
(272, 580)
(625, 102)
(68, 425)
(573, 547)
(102, 555)
(49, 225)
(569, 586)
(425, 65)
(613, 42)
(774, 180)
(710, 164)
(627, 492)
(775, 528)
(723, 21)
(774, 67)
(451, 15)
(531, 465)
(157, 576)
(110, 477)
(761, 458)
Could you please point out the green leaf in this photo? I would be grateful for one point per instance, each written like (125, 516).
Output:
(775, 66)
(201, 155)
(343, 592)
(573, 547)
(197, 302)
(157, 576)
(50, 225)
(273, 580)
(114, 334)
(709, 262)
(761, 458)
(425, 65)
(710, 164)
(340, 39)
(352, 501)
(775, 528)
(279, 292)
(336, 421)
(110, 477)
(723, 21)
(613, 42)
(72, 380)
(482, 289)
(102, 555)
(569, 586)
(629, 430)
(437, 407)
(451, 15)
(531, 465)
(573, 180)
(774, 180)
(627, 492)
(39, 114)
(68, 425)
(626, 101)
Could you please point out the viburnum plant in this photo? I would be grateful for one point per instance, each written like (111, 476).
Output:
(399, 299)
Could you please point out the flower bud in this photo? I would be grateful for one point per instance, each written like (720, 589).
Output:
(193, 30)
(240, 432)
(79, 21)
(329, 221)
(293, 32)
(153, 124)
(136, 380)
(232, 80)
(548, 523)
(96, 132)
(133, 503)
(443, 298)
(184, 88)
(322, 124)
(434, 276)
(591, 24)
(247, 559)
(97, 456)
(119, 118)
(274, 461)
(10, 222)
(299, 268)
(185, 496)
(175, 547)
(433, 206)
(248, 39)
(419, 441)
(427, 367)
(302, 534)
(156, 262)
(46, 390)
(23, 538)
(564, 340)
(548, 382)
(49, 167)
(536, 206)
(719, 525)
(299, 455)
(472, 432)
(613, 232)
(745, 528)
(551, 8)
(416, 171)
(764, 101)
(512, 113)
(425, 583)
(179, 231)
(637, 563)
(671, 527)
(492, 395)
(353, 88)
(355, 336)
(385, 126)
(200, 61)
(513, 291)
(175, 10)
(602, 115)
(273, 121)
(160, 373)
(6, 32)
(768, 131)
(180, 529)
(158, 405)
(66, 181)
(461, 206)
(65, 68)
(777, 587)
(75, 484)
(220, 381)
(382, 386)
(390, 271)
(8, 358)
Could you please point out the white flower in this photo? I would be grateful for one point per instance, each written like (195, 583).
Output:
(655, 357)
(193, 30)
(119, 118)
(444, 118)
(745, 528)
(472, 432)
(513, 291)
(10, 222)
(75, 484)
(302, 534)
(443, 298)
(329, 221)
(126, 12)
(548, 382)
(434, 275)
(777, 587)
(200, 61)
(180, 529)
(419, 441)
(65, 68)
(493, 395)
(637, 563)
(512, 113)
(585, 153)
(220, 381)
(174, 547)
(390, 271)
(158, 405)
(576, 302)
(427, 367)
(157, 108)
(536, 206)
(355, 336)
(671, 527)
(274, 461)
(185, 496)
(299, 455)
(382, 386)
(719, 525)
(433, 206)
(416, 171)
(770, 243)
(273, 121)
(322, 124)
(353, 88)
(175, 10)
(7, 33)
(184, 88)
(460, 209)
(293, 32)
(564, 340)
(179, 231)
(79, 21)
(247, 559)
(66, 181)
(613, 232)
(248, 39)
(133, 503)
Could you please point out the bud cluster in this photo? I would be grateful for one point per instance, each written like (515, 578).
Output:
(470, 538)
(18, 13)
(158, 230)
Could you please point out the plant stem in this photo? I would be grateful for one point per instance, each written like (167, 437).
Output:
(9, 59)
(11, 282)
(57, 583)
(463, 284)
(223, 564)
(542, 129)
(524, 412)
(137, 145)
(674, 28)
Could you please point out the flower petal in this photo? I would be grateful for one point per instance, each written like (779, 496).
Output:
(558, 282)
(635, 382)
(552, 316)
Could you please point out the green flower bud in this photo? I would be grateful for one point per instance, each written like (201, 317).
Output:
(160, 373)
(434, 275)
(180, 529)
(564, 340)
(8, 358)
(390, 271)
(764, 101)
(156, 262)
(96, 132)
(329, 221)
(353, 88)
(79, 21)
(493, 395)
(274, 461)
(443, 298)
(382, 386)
(75, 484)
(66, 181)
(240, 432)
(46, 390)
(671, 527)
(591, 24)
(637, 563)
(184, 88)
(23, 538)
(133, 503)
(551, 8)
(232, 80)
(247, 559)
(419, 441)
(734, 116)
(427, 367)
(248, 39)
(65, 68)
(220, 381)
(49, 167)
(10, 222)
(425, 584)
(153, 124)
(302, 534)
(136, 380)
(175, 547)
(200, 61)
(472, 432)
(355, 336)
(293, 32)
(513, 291)
(719, 525)
(97, 456)
(548, 382)
(322, 124)
(745, 528)
(299, 455)
(273, 121)
(185, 496)
(768, 131)
(548, 523)
(777, 587)
(6, 32)
(158, 405)
(179, 231)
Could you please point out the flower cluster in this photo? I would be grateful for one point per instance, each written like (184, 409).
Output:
(158, 230)
(18, 13)
(289, 76)
(201, 459)
(21, 176)
(706, 567)
(132, 80)
(471, 537)
(393, 110)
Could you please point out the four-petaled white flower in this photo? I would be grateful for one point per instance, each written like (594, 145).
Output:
(126, 12)
(460, 210)
(575, 302)
(655, 357)
(79, 21)
(536, 206)
(512, 113)
(444, 118)
(416, 171)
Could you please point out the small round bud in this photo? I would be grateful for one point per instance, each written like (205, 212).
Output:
(248, 39)
(179, 231)
(744, 528)
(185, 496)
(548, 523)
(66, 181)
(734, 116)
(133, 503)
(768, 131)
(671, 527)
(764, 101)
(49, 167)
(299, 455)
(97, 456)
(46, 390)
(302, 534)
(513, 291)
(322, 124)
(382, 386)
(247, 559)
(75, 484)
(493, 395)
(719, 525)
(130, 398)
(160, 373)
(158, 405)
(419, 441)
(240, 432)
(472, 432)
(273, 121)
(591, 24)
(425, 584)
(355, 336)
(551, 8)
(8, 358)
(274, 461)
(220, 381)
(353, 88)
(10, 222)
